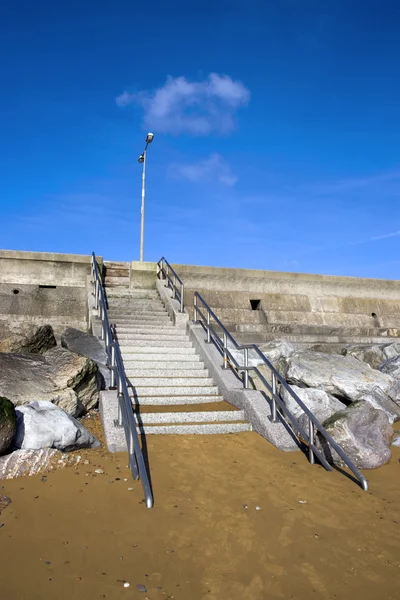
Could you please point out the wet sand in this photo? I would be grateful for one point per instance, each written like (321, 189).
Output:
(82, 535)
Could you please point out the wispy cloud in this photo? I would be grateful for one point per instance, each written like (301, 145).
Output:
(349, 184)
(192, 107)
(211, 169)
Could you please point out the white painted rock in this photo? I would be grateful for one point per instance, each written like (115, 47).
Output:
(41, 424)
(32, 462)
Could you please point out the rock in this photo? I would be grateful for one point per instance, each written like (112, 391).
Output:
(32, 462)
(70, 370)
(4, 502)
(381, 401)
(8, 424)
(277, 349)
(24, 337)
(391, 350)
(88, 345)
(24, 378)
(396, 440)
(373, 355)
(327, 348)
(41, 424)
(342, 376)
(320, 403)
(362, 432)
(391, 366)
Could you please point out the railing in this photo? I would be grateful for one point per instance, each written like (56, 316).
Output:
(229, 361)
(126, 417)
(172, 281)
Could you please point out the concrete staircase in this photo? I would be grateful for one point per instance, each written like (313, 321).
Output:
(171, 390)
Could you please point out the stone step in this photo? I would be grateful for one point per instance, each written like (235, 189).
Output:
(165, 364)
(162, 337)
(175, 400)
(115, 281)
(194, 407)
(142, 318)
(150, 330)
(161, 373)
(190, 417)
(193, 429)
(184, 391)
(131, 312)
(158, 350)
(132, 294)
(161, 358)
(175, 382)
(115, 264)
(146, 343)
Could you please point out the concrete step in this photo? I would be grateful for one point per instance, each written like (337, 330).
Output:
(131, 312)
(137, 373)
(190, 417)
(160, 358)
(139, 344)
(165, 364)
(158, 350)
(206, 407)
(157, 336)
(192, 429)
(115, 281)
(142, 318)
(132, 294)
(175, 400)
(150, 330)
(157, 382)
(199, 390)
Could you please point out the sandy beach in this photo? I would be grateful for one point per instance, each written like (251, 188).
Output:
(234, 519)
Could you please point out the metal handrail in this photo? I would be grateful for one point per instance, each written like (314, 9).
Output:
(126, 417)
(229, 360)
(178, 292)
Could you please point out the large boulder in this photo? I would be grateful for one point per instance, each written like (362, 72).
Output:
(59, 376)
(342, 376)
(391, 366)
(24, 378)
(41, 424)
(88, 345)
(373, 355)
(320, 403)
(362, 432)
(69, 370)
(8, 424)
(381, 401)
(31, 462)
(391, 350)
(28, 338)
(396, 440)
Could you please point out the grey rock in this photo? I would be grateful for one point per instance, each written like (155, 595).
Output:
(391, 366)
(391, 350)
(41, 424)
(362, 432)
(70, 370)
(278, 349)
(381, 401)
(373, 355)
(24, 337)
(320, 403)
(24, 378)
(8, 424)
(31, 462)
(342, 376)
(88, 345)
(396, 440)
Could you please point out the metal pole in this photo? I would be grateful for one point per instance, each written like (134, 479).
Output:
(225, 364)
(195, 308)
(208, 328)
(273, 417)
(112, 382)
(96, 294)
(182, 294)
(174, 288)
(142, 211)
(310, 441)
(246, 373)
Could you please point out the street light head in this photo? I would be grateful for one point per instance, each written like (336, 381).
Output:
(141, 158)
(149, 138)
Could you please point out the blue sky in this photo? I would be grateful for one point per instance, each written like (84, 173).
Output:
(276, 127)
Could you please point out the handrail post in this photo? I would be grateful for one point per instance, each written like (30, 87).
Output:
(225, 363)
(246, 372)
(96, 294)
(273, 417)
(311, 441)
(167, 274)
(182, 294)
(195, 308)
(174, 288)
(208, 327)
(112, 379)
(119, 396)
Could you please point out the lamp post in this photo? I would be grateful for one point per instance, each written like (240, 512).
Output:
(142, 159)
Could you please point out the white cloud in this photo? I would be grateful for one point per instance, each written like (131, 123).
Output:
(194, 107)
(211, 169)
